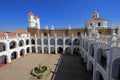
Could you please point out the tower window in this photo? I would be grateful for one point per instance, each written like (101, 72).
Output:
(90, 24)
(99, 24)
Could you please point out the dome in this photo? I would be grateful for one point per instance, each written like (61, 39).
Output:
(96, 19)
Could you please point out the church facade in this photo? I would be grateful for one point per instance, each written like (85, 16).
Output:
(98, 45)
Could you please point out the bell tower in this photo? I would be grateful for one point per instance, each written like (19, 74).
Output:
(95, 15)
(33, 21)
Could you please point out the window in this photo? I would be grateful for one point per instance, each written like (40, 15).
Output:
(99, 24)
(90, 24)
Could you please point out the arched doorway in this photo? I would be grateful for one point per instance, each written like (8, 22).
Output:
(99, 76)
(116, 69)
(12, 44)
(22, 52)
(102, 58)
(38, 41)
(68, 41)
(27, 42)
(86, 45)
(59, 42)
(52, 49)
(90, 68)
(45, 49)
(33, 49)
(32, 41)
(52, 42)
(21, 43)
(3, 59)
(85, 60)
(68, 51)
(60, 50)
(76, 42)
(28, 50)
(39, 50)
(76, 51)
(45, 41)
(14, 55)
(91, 49)
(2, 47)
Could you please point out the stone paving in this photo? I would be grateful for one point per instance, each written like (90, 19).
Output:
(21, 68)
(62, 68)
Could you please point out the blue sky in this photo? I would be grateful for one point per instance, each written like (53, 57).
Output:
(60, 13)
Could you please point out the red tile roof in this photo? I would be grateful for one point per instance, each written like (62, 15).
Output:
(20, 31)
(2, 34)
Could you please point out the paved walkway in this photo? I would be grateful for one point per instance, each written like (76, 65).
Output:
(21, 68)
(71, 68)
(63, 68)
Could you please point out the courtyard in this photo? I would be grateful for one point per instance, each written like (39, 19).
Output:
(63, 67)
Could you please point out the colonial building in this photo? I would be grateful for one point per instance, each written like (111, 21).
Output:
(98, 45)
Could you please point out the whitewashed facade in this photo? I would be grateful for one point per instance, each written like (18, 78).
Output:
(101, 54)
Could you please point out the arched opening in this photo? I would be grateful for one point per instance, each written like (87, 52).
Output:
(85, 60)
(3, 60)
(102, 58)
(83, 43)
(59, 42)
(68, 41)
(21, 43)
(76, 51)
(116, 69)
(99, 24)
(52, 42)
(99, 76)
(38, 41)
(28, 50)
(32, 41)
(86, 45)
(45, 49)
(80, 42)
(12, 44)
(68, 51)
(91, 50)
(59, 50)
(76, 42)
(90, 69)
(45, 41)
(2, 47)
(22, 52)
(52, 49)
(14, 55)
(39, 50)
(27, 42)
(33, 49)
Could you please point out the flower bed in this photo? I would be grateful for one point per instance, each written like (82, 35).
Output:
(39, 71)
